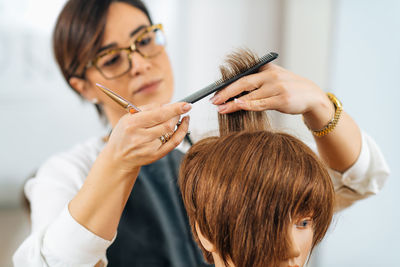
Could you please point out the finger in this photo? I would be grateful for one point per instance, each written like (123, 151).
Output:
(149, 107)
(265, 91)
(154, 150)
(167, 127)
(157, 136)
(247, 83)
(229, 107)
(270, 103)
(160, 115)
(239, 103)
(269, 66)
(176, 138)
(267, 74)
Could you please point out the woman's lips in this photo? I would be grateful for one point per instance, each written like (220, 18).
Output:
(149, 88)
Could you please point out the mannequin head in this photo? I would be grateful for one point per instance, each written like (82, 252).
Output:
(255, 197)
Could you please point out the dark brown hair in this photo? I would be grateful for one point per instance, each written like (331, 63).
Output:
(244, 187)
(79, 31)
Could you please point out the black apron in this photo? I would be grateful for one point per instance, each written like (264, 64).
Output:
(154, 228)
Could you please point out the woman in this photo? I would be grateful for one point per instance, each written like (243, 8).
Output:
(80, 198)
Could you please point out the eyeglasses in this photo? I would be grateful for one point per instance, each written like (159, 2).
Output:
(116, 62)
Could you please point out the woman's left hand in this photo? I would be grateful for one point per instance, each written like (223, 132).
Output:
(275, 88)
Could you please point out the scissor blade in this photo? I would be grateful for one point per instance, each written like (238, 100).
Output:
(117, 98)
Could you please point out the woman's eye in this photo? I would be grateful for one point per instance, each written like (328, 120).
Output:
(113, 60)
(145, 41)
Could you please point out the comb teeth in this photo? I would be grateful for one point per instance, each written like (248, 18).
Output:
(219, 81)
(259, 61)
(266, 57)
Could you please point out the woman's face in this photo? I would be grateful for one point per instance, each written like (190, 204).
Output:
(301, 233)
(149, 81)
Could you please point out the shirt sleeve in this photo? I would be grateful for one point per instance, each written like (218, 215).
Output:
(365, 178)
(56, 239)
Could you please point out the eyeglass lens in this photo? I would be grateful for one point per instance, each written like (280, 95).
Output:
(117, 62)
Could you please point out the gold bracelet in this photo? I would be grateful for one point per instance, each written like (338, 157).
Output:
(334, 121)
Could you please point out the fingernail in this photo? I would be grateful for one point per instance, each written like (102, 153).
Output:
(187, 118)
(221, 108)
(238, 101)
(214, 99)
(186, 107)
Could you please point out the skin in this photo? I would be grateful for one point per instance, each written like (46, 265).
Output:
(301, 235)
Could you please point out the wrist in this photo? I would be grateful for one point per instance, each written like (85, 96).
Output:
(331, 125)
(321, 113)
(116, 166)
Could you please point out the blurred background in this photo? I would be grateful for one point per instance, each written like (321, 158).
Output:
(349, 47)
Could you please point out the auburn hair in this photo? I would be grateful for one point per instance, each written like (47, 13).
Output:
(245, 187)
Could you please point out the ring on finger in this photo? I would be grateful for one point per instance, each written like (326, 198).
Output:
(164, 138)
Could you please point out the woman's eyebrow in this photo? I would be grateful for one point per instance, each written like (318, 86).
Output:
(138, 29)
(107, 47)
(111, 45)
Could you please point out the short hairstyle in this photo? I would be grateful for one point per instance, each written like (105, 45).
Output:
(244, 187)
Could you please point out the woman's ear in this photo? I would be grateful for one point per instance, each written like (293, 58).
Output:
(83, 88)
(207, 245)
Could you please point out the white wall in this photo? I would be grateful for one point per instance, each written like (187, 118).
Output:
(352, 48)
(365, 74)
(38, 113)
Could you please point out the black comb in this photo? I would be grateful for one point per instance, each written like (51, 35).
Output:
(218, 85)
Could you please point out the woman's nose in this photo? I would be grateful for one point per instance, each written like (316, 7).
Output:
(139, 63)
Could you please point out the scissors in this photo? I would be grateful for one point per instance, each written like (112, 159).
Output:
(128, 106)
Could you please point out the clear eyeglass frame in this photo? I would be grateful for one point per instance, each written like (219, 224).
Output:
(134, 47)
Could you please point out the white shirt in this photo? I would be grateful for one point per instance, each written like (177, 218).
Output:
(56, 239)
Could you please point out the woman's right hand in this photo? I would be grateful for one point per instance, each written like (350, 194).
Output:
(135, 140)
